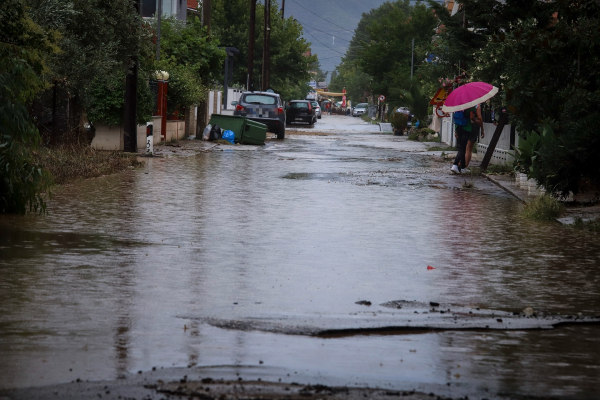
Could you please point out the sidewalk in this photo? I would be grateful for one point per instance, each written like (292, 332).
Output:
(572, 212)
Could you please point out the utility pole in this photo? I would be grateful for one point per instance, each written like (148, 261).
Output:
(251, 40)
(266, 46)
(203, 106)
(412, 60)
(282, 9)
(130, 105)
(206, 13)
(158, 20)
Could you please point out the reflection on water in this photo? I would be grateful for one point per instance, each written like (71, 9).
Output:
(94, 290)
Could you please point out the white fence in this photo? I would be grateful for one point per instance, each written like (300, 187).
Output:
(502, 153)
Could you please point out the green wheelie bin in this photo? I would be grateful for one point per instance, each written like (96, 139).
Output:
(254, 133)
(233, 123)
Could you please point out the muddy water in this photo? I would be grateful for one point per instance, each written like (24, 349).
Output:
(119, 275)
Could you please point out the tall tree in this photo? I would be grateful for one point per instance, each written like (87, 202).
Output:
(548, 68)
(290, 63)
(24, 47)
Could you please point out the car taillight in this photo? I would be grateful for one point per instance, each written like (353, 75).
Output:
(280, 110)
(240, 108)
(309, 108)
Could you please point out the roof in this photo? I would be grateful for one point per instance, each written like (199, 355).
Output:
(193, 4)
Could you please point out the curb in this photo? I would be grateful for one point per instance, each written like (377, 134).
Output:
(502, 186)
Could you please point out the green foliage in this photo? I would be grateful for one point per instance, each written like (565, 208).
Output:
(544, 208)
(190, 56)
(422, 135)
(414, 98)
(106, 98)
(289, 65)
(23, 46)
(530, 145)
(591, 226)
(188, 44)
(399, 120)
(378, 60)
(549, 72)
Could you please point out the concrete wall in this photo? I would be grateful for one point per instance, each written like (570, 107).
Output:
(175, 130)
(108, 138)
(190, 121)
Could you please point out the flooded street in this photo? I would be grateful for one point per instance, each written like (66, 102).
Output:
(250, 261)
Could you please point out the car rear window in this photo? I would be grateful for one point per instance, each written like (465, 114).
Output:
(314, 104)
(299, 105)
(260, 99)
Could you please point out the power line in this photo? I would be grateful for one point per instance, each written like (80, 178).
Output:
(321, 17)
(323, 43)
(312, 27)
(366, 36)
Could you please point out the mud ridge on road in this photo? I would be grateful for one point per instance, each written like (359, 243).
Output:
(396, 318)
(222, 389)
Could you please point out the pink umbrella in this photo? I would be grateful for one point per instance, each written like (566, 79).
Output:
(468, 96)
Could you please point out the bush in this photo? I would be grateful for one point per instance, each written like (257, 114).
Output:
(544, 208)
(399, 121)
(592, 226)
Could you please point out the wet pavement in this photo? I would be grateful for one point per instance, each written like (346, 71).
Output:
(245, 261)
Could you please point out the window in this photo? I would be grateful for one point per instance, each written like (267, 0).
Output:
(260, 99)
(148, 8)
(299, 105)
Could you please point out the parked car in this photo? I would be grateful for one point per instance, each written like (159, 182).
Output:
(317, 108)
(300, 111)
(264, 107)
(360, 109)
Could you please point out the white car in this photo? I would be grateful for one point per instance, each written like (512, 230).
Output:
(317, 108)
(360, 109)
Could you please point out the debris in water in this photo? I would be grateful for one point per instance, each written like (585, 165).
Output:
(363, 303)
(430, 267)
(528, 311)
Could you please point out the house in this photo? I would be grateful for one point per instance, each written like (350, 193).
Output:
(169, 8)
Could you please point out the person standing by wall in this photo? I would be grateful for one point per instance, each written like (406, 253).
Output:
(477, 126)
(464, 127)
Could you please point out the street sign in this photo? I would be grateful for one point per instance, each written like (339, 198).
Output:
(382, 98)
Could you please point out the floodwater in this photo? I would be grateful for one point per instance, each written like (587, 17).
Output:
(126, 270)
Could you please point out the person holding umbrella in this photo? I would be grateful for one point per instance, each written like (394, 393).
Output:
(462, 102)
(478, 125)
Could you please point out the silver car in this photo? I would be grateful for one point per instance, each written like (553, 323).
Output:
(264, 107)
(360, 109)
(317, 108)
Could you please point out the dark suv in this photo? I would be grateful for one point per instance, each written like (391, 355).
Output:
(264, 107)
(300, 111)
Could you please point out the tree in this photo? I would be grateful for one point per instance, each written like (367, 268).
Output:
(379, 56)
(289, 63)
(549, 72)
(459, 36)
(98, 39)
(189, 54)
(23, 48)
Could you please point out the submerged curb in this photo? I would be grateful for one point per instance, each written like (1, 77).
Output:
(507, 189)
